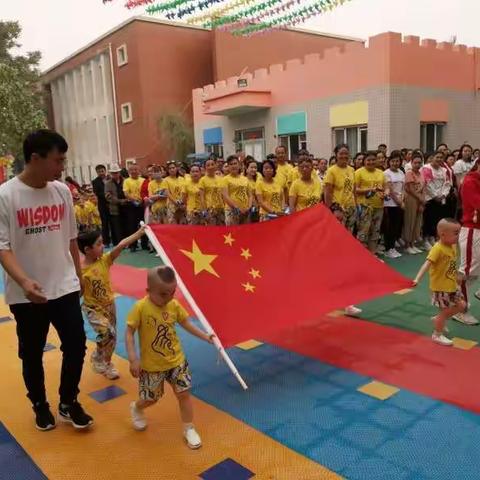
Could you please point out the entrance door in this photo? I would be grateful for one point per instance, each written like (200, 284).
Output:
(255, 149)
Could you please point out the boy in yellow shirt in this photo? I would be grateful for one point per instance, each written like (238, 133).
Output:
(91, 205)
(98, 300)
(442, 266)
(161, 354)
(369, 192)
(82, 215)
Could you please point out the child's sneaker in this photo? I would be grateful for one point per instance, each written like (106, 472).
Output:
(353, 311)
(44, 419)
(75, 415)
(111, 372)
(98, 367)
(441, 339)
(138, 417)
(465, 318)
(192, 438)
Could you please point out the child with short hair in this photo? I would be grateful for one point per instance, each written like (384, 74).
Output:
(442, 266)
(98, 300)
(161, 353)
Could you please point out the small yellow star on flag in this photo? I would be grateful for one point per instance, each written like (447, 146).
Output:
(201, 261)
(255, 273)
(246, 253)
(229, 240)
(248, 287)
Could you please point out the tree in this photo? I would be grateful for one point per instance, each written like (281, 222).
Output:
(177, 133)
(21, 101)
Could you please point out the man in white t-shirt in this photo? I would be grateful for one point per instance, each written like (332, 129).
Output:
(39, 254)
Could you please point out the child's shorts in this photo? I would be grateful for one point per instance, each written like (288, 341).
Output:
(151, 384)
(446, 299)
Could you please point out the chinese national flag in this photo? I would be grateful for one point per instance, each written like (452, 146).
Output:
(253, 280)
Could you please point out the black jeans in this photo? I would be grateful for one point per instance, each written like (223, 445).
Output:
(393, 217)
(33, 322)
(135, 216)
(433, 213)
(105, 219)
(119, 226)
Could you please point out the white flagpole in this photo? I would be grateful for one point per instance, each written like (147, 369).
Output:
(201, 317)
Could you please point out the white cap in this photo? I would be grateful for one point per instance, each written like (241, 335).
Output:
(115, 168)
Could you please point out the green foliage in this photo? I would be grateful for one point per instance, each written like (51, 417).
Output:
(177, 134)
(21, 101)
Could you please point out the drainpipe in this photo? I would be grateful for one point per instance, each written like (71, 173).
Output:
(115, 111)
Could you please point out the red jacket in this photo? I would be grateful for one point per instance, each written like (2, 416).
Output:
(470, 194)
(144, 189)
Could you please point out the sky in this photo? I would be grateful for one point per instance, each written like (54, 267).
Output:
(59, 27)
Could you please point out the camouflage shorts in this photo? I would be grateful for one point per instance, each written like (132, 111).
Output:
(151, 384)
(215, 216)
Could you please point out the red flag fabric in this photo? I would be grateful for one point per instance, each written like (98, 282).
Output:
(255, 279)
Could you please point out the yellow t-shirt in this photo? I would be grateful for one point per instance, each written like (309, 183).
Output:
(160, 347)
(273, 194)
(212, 190)
(443, 271)
(371, 180)
(342, 180)
(176, 188)
(93, 213)
(238, 190)
(132, 187)
(192, 190)
(82, 215)
(96, 277)
(252, 185)
(285, 171)
(308, 194)
(154, 188)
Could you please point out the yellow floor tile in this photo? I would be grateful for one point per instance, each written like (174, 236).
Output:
(403, 292)
(463, 344)
(378, 390)
(249, 344)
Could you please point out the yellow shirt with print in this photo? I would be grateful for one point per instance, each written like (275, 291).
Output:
(132, 187)
(212, 190)
(82, 215)
(97, 286)
(286, 171)
(192, 190)
(342, 180)
(93, 213)
(308, 194)
(176, 188)
(443, 269)
(160, 347)
(366, 179)
(154, 188)
(273, 194)
(238, 190)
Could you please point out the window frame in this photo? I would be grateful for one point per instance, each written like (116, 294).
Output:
(122, 49)
(360, 128)
(126, 118)
(436, 140)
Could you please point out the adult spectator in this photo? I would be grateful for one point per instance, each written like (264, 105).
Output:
(464, 163)
(43, 275)
(98, 185)
(117, 204)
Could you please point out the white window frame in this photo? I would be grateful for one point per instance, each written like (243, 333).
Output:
(437, 139)
(130, 161)
(302, 142)
(360, 129)
(122, 52)
(126, 111)
(216, 148)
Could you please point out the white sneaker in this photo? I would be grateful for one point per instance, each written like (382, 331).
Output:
(417, 250)
(138, 417)
(98, 367)
(111, 372)
(396, 252)
(192, 438)
(391, 253)
(441, 339)
(352, 311)
(465, 318)
(411, 251)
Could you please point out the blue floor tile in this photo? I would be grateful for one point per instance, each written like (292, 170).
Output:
(227, 470)
(106, 394)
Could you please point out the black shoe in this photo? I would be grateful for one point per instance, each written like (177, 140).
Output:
(44, 419)
(75, 415)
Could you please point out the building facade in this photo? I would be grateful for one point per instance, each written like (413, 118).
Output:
(106, 99)
(402, 92)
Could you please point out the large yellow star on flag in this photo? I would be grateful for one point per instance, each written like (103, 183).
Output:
(201, 261)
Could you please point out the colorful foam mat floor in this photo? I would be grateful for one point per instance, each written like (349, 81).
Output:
(361, 399)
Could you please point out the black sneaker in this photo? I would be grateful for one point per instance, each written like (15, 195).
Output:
(44, 419)
(75, 415)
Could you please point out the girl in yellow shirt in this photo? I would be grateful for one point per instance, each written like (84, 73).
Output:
(236, 194)
(211, 186)
(175, 186)
(192, 198)
(271, 192)
(306, 191)
(157, 196)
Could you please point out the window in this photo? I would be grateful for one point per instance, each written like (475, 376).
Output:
(354, 137)
(431, 136)
(129, 162)
(122, 56)
(293, 143)
(126, 109)
(216, 148)
(251, 142)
